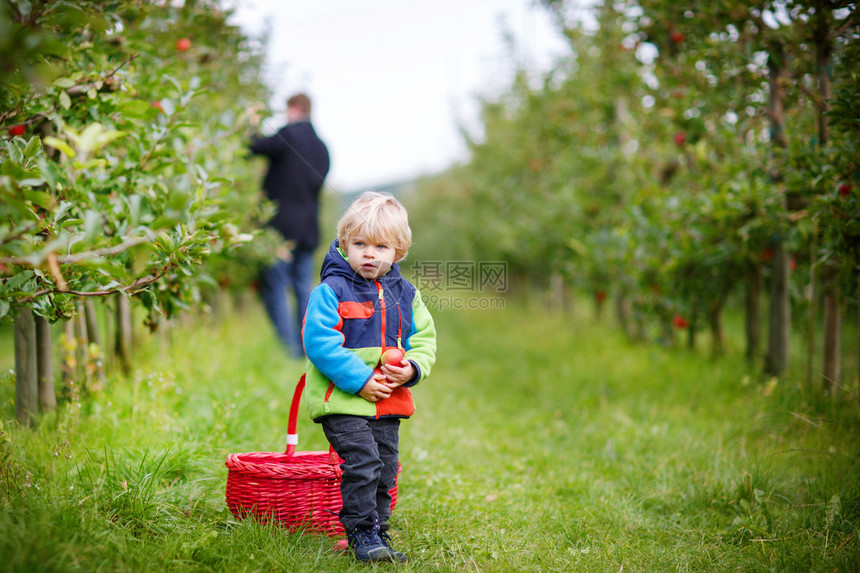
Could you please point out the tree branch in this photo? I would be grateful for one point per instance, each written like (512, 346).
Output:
(853, 19)
(131, 288)
(108, 84)
(78, 257)
(106, 252)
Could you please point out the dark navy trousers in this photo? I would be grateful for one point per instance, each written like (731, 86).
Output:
(369, 448)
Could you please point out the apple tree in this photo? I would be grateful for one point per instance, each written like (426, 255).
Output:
(119, 171)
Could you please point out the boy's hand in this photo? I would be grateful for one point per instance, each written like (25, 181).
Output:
(376, 388)
(398, 375)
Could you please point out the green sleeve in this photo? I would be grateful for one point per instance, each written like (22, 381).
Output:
(421, 346)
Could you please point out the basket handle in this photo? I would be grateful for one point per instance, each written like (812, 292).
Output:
(292, 435)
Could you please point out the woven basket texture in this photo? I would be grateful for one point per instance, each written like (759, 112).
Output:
(298, 490)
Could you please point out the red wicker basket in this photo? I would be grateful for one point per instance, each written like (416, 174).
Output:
(295, 489)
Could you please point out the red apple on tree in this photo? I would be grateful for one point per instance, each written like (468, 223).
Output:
(393, 357)
(844, 189)
(680, 138)
(680, 321)
(183, 44)
(676, 37)
(17, 130)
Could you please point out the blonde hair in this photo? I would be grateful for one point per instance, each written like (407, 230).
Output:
(377, 217)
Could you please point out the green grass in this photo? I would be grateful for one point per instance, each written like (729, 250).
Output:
(541, 443)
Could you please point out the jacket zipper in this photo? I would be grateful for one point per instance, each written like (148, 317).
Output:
(382, 309)
(382, 317)
(381, 312)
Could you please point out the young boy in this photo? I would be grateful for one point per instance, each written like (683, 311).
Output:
(363, 307)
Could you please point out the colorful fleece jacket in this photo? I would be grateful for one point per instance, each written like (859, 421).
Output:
(349, 323)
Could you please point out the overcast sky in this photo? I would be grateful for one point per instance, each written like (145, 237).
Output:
(392, 82)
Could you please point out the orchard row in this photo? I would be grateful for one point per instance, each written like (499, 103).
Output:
(123, 164)
(679, 158)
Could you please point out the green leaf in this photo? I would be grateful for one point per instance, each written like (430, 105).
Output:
(18, 281)
(135, 108)
(134, 203)
(89, 137)
(65, 101)
(61, 210)
(61, 145)
(92, 224)
(168, 106)
(64, 83)
(39, 198)
(34, 146)
(49, 171)
(164, 222)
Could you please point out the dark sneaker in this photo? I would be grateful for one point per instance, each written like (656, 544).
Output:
(398, 556)
(366, 545)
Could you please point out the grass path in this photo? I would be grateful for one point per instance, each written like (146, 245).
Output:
(540, 443)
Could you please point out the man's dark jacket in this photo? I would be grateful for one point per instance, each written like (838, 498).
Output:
(298, 165)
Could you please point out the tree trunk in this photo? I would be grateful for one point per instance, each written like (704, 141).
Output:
(777, 78)
(691, 328)
(83, 349)
(622, 314)
(45, 365)
(95, 339)
(70, 364)
(823, 52)
(821, 34)
(780, 310)
(832, 326)
(780, 314)
(813, 311)
(26, 368)
(753, 312)
(599, 306)
(715, 320)
(556, 301)
(122, 341)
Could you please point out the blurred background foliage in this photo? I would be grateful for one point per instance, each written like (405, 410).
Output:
(677, 160)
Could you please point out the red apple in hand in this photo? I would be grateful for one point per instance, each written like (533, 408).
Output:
(393, 357)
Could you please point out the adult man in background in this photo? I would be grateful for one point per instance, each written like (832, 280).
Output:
(298, 164)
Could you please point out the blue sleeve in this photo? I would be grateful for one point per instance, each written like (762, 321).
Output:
(324, 343)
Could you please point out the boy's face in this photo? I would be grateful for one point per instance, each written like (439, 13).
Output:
(369, 258)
